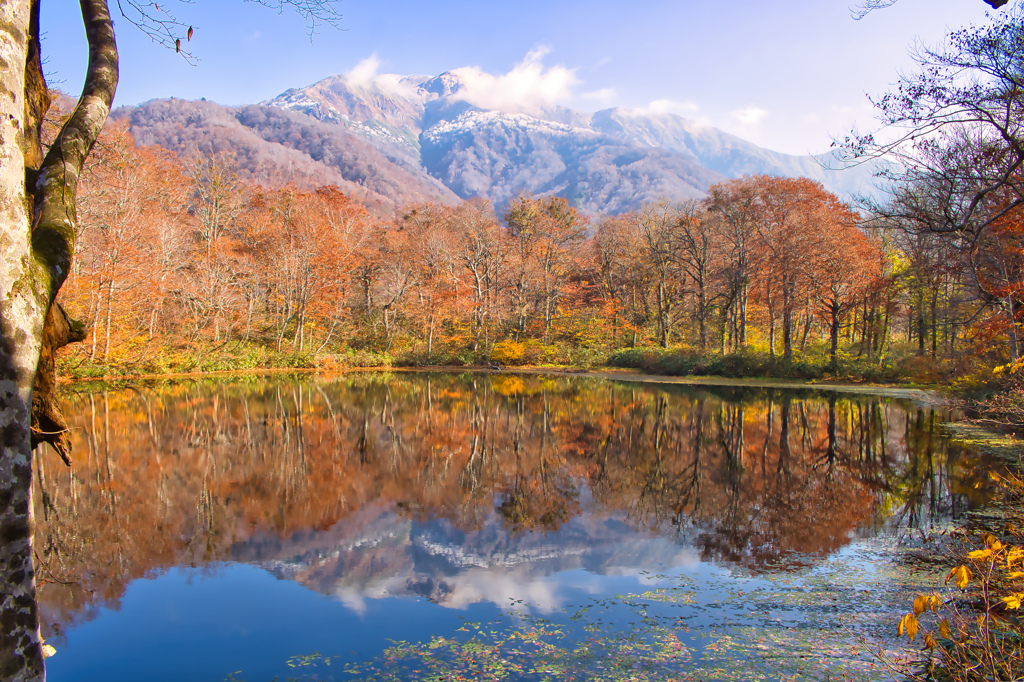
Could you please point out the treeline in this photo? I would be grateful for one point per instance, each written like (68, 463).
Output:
(180, 262)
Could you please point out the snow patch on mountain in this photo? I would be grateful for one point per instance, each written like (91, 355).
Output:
(473, 120)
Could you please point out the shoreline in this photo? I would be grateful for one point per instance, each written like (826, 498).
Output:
(926, 396)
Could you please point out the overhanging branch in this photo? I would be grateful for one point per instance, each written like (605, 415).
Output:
(55, 221)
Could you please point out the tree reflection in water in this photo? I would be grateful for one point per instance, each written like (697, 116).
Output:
(329, 478)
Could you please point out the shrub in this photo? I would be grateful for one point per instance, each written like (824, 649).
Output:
(508, 352)
(974, 630)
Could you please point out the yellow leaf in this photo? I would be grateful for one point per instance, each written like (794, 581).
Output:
(935, 603)
(1013, 601)
(929, 641)
(979, 554)
(920, 604)
(907, 624)
(911, 626)
(1015, 574)
(944, 629)
(1015, 554)
(962, 574)
(988, 539)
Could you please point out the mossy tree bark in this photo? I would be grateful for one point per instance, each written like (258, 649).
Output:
(38, 226)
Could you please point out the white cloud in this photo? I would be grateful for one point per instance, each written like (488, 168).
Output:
(603, 96)
(365, 72)
(750, 116)
(529, 86)
(665, 106)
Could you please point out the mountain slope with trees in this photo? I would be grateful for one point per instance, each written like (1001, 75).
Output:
(273, 147)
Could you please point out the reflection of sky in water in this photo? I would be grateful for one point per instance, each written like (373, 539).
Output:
(456, 569)
(202, 624)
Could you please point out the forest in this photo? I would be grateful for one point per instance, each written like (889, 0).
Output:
(183, 265)
(193, 260)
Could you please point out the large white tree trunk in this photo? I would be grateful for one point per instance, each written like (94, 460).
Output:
(22, 311)
(38, 226)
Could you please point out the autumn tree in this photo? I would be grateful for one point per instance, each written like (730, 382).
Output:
(430, 245)
(954, 128)
(623, 272)
(656, 225)
(735, 202)
(696, 233)
(546, 229)
(482, 253)
(132, 241)
(847, 264)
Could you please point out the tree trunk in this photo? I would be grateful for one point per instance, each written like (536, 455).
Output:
(106, 340)
(883, 334)
(35, 259)
(787, 321)
(935, 322)
(21, 314)
(743, 315)
(787, 334)
(702, 322)
(807, 330)
(48, 424)
(833, 336)
(922, 328)
(662, 323)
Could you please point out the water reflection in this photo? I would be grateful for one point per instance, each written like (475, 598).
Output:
(466, 489)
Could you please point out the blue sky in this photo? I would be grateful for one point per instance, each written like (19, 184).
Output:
(785, 74)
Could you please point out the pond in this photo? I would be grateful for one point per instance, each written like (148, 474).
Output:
(489, 526)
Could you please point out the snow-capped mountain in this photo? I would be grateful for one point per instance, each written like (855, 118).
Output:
(612, 160)
(393, 139)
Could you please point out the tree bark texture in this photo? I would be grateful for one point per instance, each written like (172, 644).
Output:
(38, 226)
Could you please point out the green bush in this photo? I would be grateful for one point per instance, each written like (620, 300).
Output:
(685, 362)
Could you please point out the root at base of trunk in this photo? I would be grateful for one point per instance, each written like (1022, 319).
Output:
(48, 424)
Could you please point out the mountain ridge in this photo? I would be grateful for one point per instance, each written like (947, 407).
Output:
(392, 140)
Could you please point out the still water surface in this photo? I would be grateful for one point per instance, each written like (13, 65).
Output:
(494, 526)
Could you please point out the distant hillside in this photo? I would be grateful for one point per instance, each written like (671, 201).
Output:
(274, 147)
(401, 139)
(727, 154)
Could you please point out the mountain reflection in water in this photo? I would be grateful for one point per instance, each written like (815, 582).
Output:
(471, 488)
